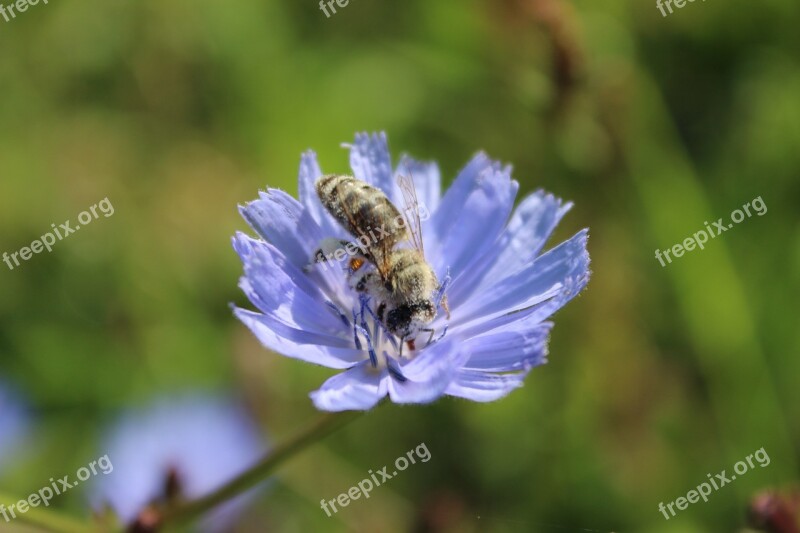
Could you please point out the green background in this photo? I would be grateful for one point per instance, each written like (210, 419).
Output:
(178, 110)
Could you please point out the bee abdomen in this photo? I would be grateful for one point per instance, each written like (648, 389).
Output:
(361, 208)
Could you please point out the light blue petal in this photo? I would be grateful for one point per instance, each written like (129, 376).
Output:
(565, 267)
(436, 230)
(256, 254)
(534, 314)
(478, 222)
(484, 387)
(520, 345)
(531, 224)
(372, 163)
(302, 336)
(428, 374)
(331, 357)
(359, 388)
(307, 193)
(456, 195)
(284, 222)
(285, 295)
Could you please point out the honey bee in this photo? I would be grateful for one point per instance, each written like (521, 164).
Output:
(400, 280)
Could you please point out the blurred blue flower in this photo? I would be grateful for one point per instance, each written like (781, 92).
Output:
(502, 288)
(14, 424)
(189, 446)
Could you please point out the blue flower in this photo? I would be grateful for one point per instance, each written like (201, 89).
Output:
(501, 286)
(188, 446)
(14, 424)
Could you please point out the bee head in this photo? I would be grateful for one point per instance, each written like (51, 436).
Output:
(407, 319)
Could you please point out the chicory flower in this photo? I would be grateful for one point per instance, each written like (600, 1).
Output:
(488, 255)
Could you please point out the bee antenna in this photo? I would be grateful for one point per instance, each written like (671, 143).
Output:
(442, 335)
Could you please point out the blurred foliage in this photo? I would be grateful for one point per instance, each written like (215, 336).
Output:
(177, 110)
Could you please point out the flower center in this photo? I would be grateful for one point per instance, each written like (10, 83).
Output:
(381, 347)
(385, 350)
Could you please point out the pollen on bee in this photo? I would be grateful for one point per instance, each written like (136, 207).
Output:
(356, 263)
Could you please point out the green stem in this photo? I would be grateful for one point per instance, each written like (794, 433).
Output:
(321, 428)
(45, 518)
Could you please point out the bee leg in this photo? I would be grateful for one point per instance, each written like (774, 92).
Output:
(441, 297)
(442, 335)
(411, 346)
(446, 307)
(432, 332)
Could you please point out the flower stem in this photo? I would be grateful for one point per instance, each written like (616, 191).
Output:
(321, 428)
(46, 519)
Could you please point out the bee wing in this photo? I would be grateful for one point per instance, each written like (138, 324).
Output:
(355, 228)
(382, 263)
(411, 211)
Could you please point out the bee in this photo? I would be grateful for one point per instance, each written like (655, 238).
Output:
(399, 279)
